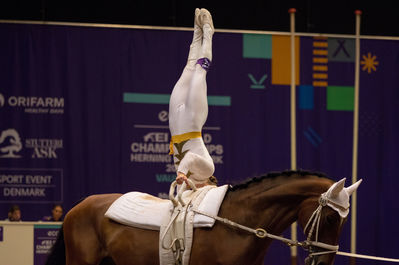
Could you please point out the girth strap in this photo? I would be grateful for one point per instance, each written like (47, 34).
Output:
(175, 231)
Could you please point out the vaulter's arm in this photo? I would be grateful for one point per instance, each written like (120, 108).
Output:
(196, 167)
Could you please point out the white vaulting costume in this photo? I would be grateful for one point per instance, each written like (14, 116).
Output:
(188, 106)
(188, 111)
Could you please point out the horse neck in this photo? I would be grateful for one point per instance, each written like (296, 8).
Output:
(274, 204)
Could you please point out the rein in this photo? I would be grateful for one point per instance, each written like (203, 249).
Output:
(306, 245)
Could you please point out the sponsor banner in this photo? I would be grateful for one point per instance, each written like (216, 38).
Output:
(31, 185)
(44, 238)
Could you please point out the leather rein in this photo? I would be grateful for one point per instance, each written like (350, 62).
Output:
(308, 244)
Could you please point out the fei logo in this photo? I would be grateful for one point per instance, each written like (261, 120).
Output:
(1, 100)
(10, 143)
(156, 137)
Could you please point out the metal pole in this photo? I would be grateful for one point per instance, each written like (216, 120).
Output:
(292, 11)
(355, 136)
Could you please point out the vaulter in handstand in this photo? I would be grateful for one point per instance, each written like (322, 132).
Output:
(188, 108)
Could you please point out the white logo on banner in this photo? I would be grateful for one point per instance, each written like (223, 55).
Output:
(156, 137)
(163, 116)
(1, 100)
(35, 105)
(44, 148)
(10, 143)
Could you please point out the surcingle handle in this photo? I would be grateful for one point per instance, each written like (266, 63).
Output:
(184, 188)
(180, 192)
(172, 193)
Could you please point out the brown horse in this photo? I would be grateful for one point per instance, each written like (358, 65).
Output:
(272, 202)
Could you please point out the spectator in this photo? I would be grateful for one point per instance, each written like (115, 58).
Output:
(14, 214)
(56, 214)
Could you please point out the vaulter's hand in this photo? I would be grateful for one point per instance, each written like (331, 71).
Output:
(180, 178)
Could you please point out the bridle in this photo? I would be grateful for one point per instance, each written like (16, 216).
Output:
(314, 223)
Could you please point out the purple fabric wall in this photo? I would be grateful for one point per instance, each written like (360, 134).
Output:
(77, 100)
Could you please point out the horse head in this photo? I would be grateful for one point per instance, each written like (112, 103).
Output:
(322, 220)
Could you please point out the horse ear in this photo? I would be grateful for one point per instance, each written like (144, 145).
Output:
(338, 186)
(351, 189)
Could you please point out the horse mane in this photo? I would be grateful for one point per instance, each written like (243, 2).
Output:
(271, 175)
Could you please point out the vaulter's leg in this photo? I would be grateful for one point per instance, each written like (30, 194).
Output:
(192, 112)
(180, 91)
(195, 47)
(208, 30)
(197, 97)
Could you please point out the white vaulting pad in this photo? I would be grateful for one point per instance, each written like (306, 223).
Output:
(140, 210)
(210, 205)
(145, 211)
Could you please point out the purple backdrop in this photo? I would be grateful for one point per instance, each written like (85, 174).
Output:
(83, 110)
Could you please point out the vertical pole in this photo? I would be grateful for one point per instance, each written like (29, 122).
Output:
(293, 123)
(355, 136)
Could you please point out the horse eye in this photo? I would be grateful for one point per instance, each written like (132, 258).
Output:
(332, 219)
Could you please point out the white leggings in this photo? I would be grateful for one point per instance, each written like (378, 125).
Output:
(188, 111)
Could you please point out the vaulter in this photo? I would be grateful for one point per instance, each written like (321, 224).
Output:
(188, 108)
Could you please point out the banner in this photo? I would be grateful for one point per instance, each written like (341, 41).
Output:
(84, 110)
(44, 237)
